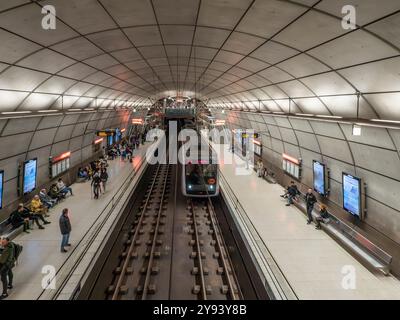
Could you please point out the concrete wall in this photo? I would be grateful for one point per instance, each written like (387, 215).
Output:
(373, 156)
(42, 137)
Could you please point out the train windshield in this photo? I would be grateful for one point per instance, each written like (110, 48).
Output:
(201, 178)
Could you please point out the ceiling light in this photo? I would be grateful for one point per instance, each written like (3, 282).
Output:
(48, 111)
(385, 121)
(330, 117)
(304, 114)
(16, 112)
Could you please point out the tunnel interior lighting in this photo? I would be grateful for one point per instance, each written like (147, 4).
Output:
(16, 112)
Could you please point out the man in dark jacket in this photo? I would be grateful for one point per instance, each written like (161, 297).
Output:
(7, 261)
(65, 228)
(310, 201)
(292, 192)
(16, 220)
(26, 215)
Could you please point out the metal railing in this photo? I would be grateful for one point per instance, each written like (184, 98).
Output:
(79, 252)
(274, 280)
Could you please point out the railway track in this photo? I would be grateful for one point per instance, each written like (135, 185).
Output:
(172, 248)
(138, 265)
(206, 233)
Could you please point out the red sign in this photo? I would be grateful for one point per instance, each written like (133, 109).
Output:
(62, 157)
(291, 159)
(137, 121)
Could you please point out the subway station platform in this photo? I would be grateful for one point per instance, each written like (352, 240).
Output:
(41, 249)
(313, 264)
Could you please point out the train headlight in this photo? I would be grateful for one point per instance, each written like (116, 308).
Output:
(190, 186)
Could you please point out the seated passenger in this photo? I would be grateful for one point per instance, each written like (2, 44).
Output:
(47, 200)
(292, 192)
(26, 214)
(16, 220)
(38, 209)
(54, 193)
(62, 188)
(323, 216)
(82, 174)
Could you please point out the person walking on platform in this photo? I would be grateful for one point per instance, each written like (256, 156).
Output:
(7, 262)
(96, 182)
(65, 228)
(310, 201)
(104, 179)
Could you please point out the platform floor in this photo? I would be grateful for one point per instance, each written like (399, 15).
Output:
(42, 247)
(311, 260)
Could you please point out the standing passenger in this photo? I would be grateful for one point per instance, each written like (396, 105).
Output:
(7, 261)
(104, 178)
(310, 201)
(65, 228)
(96, 182)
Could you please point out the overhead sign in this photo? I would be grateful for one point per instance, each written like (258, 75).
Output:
(105, 133)
(137, 121)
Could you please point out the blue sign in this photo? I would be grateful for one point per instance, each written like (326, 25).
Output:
(319, 177)
(110, 140)
(1, 188)
(30, 175)
(352, 194)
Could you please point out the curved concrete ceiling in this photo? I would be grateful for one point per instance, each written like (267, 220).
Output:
(265, 54)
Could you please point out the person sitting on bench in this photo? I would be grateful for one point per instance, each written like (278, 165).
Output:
(322, 217)
(26, 214)
(16, 220)
(47, 200)
(54, 193)
(83, 174)
(38, 209)
(62, 188)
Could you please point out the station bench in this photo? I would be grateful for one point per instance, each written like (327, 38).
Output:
(7, 231)
(353, 241)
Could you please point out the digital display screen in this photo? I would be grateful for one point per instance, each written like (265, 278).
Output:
(110, 140)
(117, 135)
(352, 194)
(319, 177)
(29, 176)
(1, 188)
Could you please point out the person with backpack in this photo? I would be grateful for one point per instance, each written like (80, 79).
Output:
(9, 256)
(96, 182)
(310, 201)
(104, 178)
(65, 228)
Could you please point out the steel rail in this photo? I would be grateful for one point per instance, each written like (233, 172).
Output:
(154, 241)
(132, 244)
(198, 247)
(222, 250)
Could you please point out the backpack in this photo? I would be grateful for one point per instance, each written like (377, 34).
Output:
(17, 251)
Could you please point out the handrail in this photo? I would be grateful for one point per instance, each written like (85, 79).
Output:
(280, 288)
(91, 234)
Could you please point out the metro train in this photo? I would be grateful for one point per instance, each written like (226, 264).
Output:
(200, 172)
